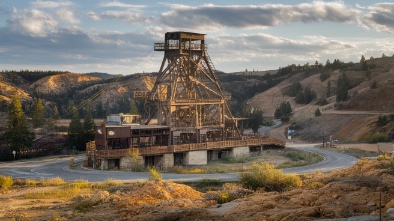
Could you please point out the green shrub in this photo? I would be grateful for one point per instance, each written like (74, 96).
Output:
(300, 158)
(265, 176)
(30, 182)
(317, 112)
(376, 138)
(315, 184)
(242, 159)
(85, 206)
(209, 182)
(5, 182)
(321, 102)
(154, 174)
(229, 192)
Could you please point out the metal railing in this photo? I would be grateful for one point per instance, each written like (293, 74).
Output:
(184, 46)
(158, 150)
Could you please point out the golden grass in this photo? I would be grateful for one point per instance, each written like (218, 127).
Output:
(57, 181)
(62, 193)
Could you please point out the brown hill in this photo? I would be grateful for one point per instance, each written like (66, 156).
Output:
(7, 91)
(61, 83)
(122, 88)
(366, 102)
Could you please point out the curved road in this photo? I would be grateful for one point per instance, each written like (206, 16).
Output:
(59, 167)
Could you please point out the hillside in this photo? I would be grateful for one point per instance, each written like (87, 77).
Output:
(347, 120)
(369, 93)
(62, 83)
(65, 89)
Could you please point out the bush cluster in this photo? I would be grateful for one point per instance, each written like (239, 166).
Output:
(5, 182)
(375, 138)
(229, 192)
(154, 174)
(265, 176)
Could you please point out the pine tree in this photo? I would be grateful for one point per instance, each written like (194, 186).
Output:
(38, 114)
(76, 135)
(133, 108)
(328, 93)
(17, 136)
(88, 126)
(255, 120)
(55, 114)
(50, 124)
(362, 59)
(317, 112)
(284, 110)
(342, 88)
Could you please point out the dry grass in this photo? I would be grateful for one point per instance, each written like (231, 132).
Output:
(62, 193)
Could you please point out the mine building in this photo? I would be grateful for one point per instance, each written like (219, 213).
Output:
(187, 120)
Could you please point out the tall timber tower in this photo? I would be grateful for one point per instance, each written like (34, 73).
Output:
(186, 96)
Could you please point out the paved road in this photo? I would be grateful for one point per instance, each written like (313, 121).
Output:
(59, 167)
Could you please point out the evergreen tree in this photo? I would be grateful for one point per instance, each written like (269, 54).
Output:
(256, 120)
(364, 66)
(328, 93)
(133, 108)
(55, 113)
(17, 137)
(38, 114)
(328, 63)
(50, 124)
(317, 112)
(88, 126)
(76, 135)
(99, 111)
(342, 88)
(284, 110)
(362, 59)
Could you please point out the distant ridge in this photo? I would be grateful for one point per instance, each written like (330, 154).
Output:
(102, 75)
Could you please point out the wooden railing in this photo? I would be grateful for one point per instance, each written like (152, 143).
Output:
(158, 150)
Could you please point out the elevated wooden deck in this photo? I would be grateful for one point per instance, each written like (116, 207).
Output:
(159, 150)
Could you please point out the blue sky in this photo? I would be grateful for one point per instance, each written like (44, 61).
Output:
(117, 37)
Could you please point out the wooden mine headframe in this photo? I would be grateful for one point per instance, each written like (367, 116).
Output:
(187, 95)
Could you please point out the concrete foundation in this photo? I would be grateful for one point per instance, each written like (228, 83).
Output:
(126, 163)
(168, 160)
(213, 155)
(239, 152)
(196, 157)
(104, 164)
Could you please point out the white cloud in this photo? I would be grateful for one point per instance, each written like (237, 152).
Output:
(93, 15)
(379, 17)
(75, 57)
(121, 15)
(264, 51)
(32, 22)
(67, 15)
(253, 16)
(51, 4)
(116, 4)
